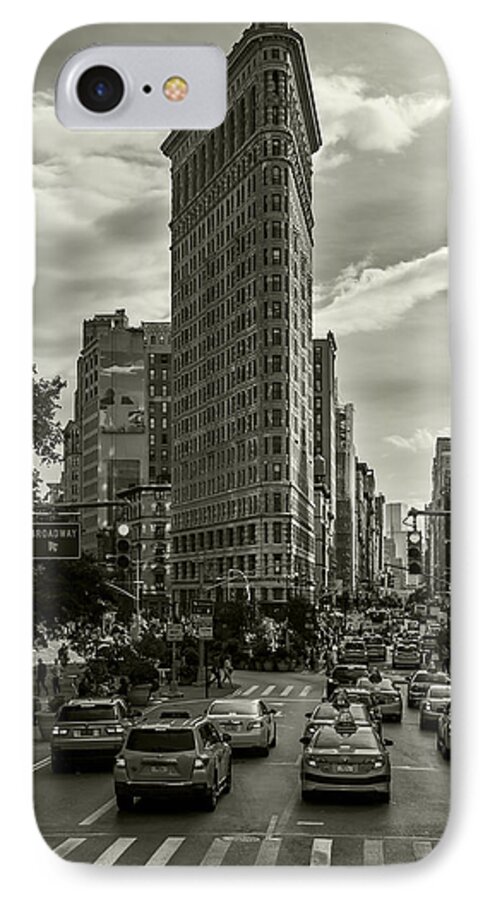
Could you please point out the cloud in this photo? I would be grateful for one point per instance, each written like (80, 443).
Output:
(421, 439)
(363, 299)
(386, 124)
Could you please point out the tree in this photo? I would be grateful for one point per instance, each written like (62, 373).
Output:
(47, 429)
(70, 590)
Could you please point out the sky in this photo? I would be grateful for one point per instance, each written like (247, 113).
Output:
(380, 255)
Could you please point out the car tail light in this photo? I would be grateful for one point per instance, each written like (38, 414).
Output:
(252, 725)
(427, 705)
(201, 762)
(115, 729)
(120, 763)
(57, 731)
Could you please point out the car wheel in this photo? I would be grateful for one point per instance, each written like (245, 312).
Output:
(228, 781)
(57, 764)
(264, 751)
(306, 796)
(398, 718)
(211, 796)
(274, 738)
(422, 723)
(386, 797)
(445, 752)
(124, 802)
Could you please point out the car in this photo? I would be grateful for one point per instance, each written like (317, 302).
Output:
(176, 757)
(249, 723)
(343, 676)
(358, 694)
(353, 651)
(433, 704)
(327, 714)
(347, 758)
(443, 739)
(375, 647)
(389, 700)
(88, 729)
(420, 683)
(406, 655)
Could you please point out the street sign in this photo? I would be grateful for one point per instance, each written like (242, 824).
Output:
(207, 621)
(56, 540)
(175, 632)
(205, 632)
(202, 607)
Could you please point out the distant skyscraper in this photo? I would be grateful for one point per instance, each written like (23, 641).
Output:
(345, 520)
(71, 462)
(396, 545)
(158, 389)
(324, 446)
(242, 235)
(440, 526)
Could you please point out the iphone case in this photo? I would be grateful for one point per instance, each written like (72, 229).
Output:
(242, 461)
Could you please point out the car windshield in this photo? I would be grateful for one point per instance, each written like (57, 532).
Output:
(348, 673)
(87, 713)
(440, 692)
(431, 678)
(362, 739)
(233, 708)
(172, 740)
(354, 645)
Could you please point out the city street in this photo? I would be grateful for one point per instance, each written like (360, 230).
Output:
(263, 821)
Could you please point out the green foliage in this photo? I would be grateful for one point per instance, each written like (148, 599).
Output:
(69, 590)
(47, 430)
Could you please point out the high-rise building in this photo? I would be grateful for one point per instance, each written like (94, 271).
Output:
(71, 462)
(158, 390)
(345, 518)
(121, 431)
(242, 236)
(396, 543)
(440, 526)
(324, 447)
(369, 529)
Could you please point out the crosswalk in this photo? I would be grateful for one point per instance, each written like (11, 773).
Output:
(243, 850)
(292, 691)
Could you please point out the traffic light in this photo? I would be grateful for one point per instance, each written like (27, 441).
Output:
(123, 546)
(414, 552)
(391, 580)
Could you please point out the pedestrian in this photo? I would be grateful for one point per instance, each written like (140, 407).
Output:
(41, 676)
(55, 678)
(227, 671)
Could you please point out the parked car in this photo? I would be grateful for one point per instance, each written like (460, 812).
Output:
(88, 730)
(248, 723)
(420, 683)
(433, 704)
(443, 739)
(346, 758)
(177, 757)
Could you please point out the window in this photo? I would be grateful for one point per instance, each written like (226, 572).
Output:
(276, 364)
(276, 418)
(276, 390)
(276, 503)
(276, 204)
(276, 471)
(277, 558)
(276, 444)
(277, 532)
(276, 337)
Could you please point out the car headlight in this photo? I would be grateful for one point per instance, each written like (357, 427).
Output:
(57, 731)
(378, 763)
(201, 762)
(120, 763)
(311, 761)
(115, 729)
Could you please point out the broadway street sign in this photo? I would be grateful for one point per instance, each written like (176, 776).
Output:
(56, 540)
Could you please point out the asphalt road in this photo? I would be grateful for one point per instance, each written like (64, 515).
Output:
(263, 821)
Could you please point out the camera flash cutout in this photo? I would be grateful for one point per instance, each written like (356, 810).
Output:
(175, 88)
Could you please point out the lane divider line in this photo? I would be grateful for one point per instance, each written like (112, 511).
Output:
(268, 852)
(250, 690)
(216, 853)
(287, 690)
(99, 812)
(64, 849)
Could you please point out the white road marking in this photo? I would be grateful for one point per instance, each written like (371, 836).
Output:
(250, 690)
(216, 853)
(268, 852)
(41, 763)
(287, 690)
(373, 853)
(67, 846)
(165, 851)
(416, 768)
(98, 812)
(321, 853)
(306, 690)
(268, 690)
(303, 822)
(112, 854)
(421, 849)
(271, 827)
(237, 692)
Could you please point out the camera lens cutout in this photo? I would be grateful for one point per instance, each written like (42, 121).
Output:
(100, 89)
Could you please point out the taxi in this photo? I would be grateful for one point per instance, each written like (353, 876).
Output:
(375, 647)
(443, 739)
(248, 723)
(406, 654)
(343, 676)
(327, 714)
(345, 758)
(420, 682)
(389, 700)
(353, 651)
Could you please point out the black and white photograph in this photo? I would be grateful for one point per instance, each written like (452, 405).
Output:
(242, 458)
